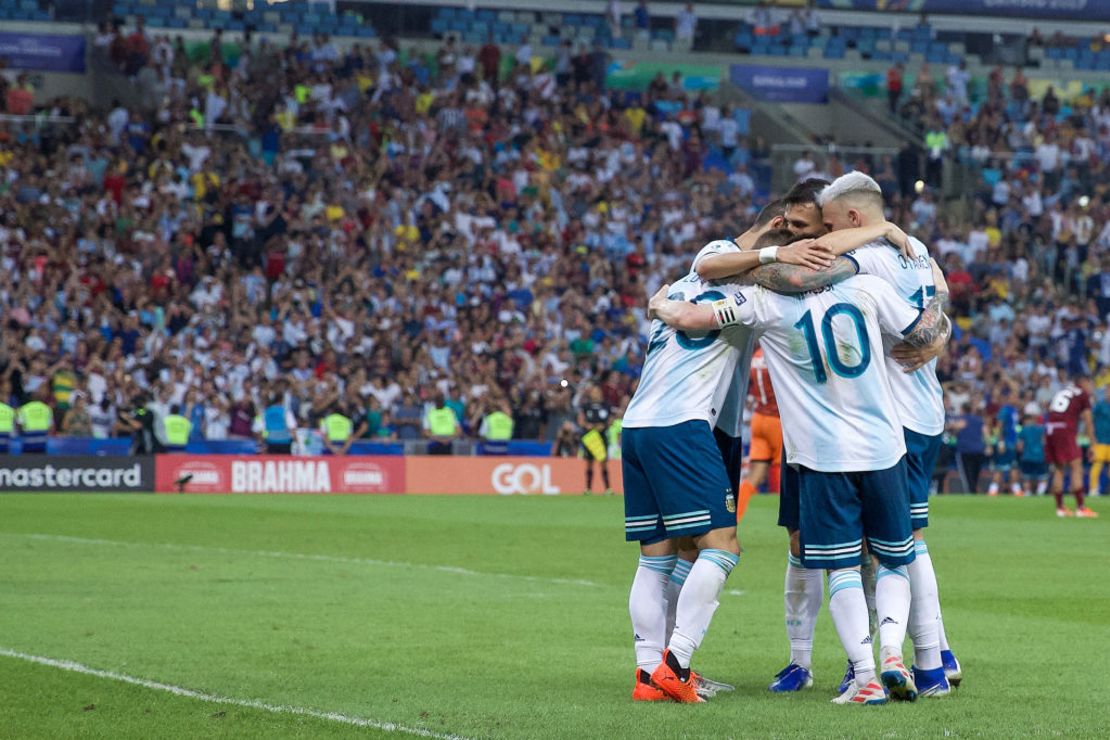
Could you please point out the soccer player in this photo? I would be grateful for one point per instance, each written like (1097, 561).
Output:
(1004, 459)
(677, 489)
(1100, 453)
(855, 200)
(765, 453)
(1069, 406)
(823, 349)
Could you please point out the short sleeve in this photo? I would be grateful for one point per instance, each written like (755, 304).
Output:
(713, 248)
(896, 317)
(736, 309)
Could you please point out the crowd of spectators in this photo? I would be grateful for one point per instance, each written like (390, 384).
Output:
(369, 229)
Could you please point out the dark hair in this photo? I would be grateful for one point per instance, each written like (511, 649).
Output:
(776, 238)
(769, 212)
(804, 192)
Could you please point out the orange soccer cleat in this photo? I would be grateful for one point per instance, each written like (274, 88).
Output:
(644, 691)
(1086, 513)
(668, 678)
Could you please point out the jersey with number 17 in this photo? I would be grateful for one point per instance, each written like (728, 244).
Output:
(917, 395)
(825, 353)
(688, 376)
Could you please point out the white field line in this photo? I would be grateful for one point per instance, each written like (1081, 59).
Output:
(74, 667)
(301, 556)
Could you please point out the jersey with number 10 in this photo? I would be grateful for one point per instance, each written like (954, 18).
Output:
(825, 353)
(692, 376)
(917, 395)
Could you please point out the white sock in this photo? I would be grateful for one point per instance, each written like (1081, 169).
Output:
(892, 598)
(698, 600)
(992, 489)
(1042, 487)
(849, 614)
(674, 587)
(647, 605)
(1015, 488)
(802, 594)
(924, 609)
(867, 573)
(941, 637)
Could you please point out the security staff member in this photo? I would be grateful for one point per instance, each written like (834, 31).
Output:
(593, 418)
(441, 426)
(337, 429)
(276, 425)
(496, 430)
(7, 426)
(36, 419)
(177, 429)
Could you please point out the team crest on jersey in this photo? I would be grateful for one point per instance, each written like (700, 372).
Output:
(730, 502)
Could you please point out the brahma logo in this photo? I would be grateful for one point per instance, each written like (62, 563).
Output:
(280, 476)
(364, 477)
(508, 479)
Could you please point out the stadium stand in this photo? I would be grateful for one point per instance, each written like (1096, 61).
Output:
(511, 217)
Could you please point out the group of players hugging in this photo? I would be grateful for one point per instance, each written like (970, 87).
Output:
(848, 314)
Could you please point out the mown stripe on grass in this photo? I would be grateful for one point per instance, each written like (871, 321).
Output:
(301, 556)
(75, 667)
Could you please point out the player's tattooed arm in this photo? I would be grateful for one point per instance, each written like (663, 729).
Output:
(914, 358)
(932, 325)
(783, 278)
(681, 315)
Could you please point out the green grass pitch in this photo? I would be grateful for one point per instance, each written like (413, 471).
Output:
(494, 617)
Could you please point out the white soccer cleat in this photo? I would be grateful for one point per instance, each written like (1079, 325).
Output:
(870, 695)
(897, 680)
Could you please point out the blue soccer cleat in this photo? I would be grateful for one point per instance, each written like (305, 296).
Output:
(931, 683)
(792, 678)
(848, 680)
(897, 680)
(951, 668)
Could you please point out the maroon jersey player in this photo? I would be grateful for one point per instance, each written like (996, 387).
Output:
(1069, 406)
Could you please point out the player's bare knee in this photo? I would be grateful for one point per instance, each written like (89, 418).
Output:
(795, 544)
(658, 549)
(719, 539)
(919, 535)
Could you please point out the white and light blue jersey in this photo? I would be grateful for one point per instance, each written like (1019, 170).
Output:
(824, 351)
(918, 396)
(689, 376)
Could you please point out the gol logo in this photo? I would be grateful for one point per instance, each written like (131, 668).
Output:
(508, 479)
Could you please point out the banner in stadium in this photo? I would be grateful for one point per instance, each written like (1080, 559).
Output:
(782, 84)
(43, 52)
(278, 474)
(506, 476)
(1086, 10)
(624, 74)
(43, 473)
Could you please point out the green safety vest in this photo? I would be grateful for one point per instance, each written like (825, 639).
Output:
(337, 427)
(7, 419)
(613, 437)
(936, 140)
(177, 430)
(499, 427)
(442, 422)
(35, 416)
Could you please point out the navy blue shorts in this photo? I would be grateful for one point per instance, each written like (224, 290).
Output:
(789, 515)
(1034, 469)
(839, 509)
(921, 458)
(732, 455)
(675, 484)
